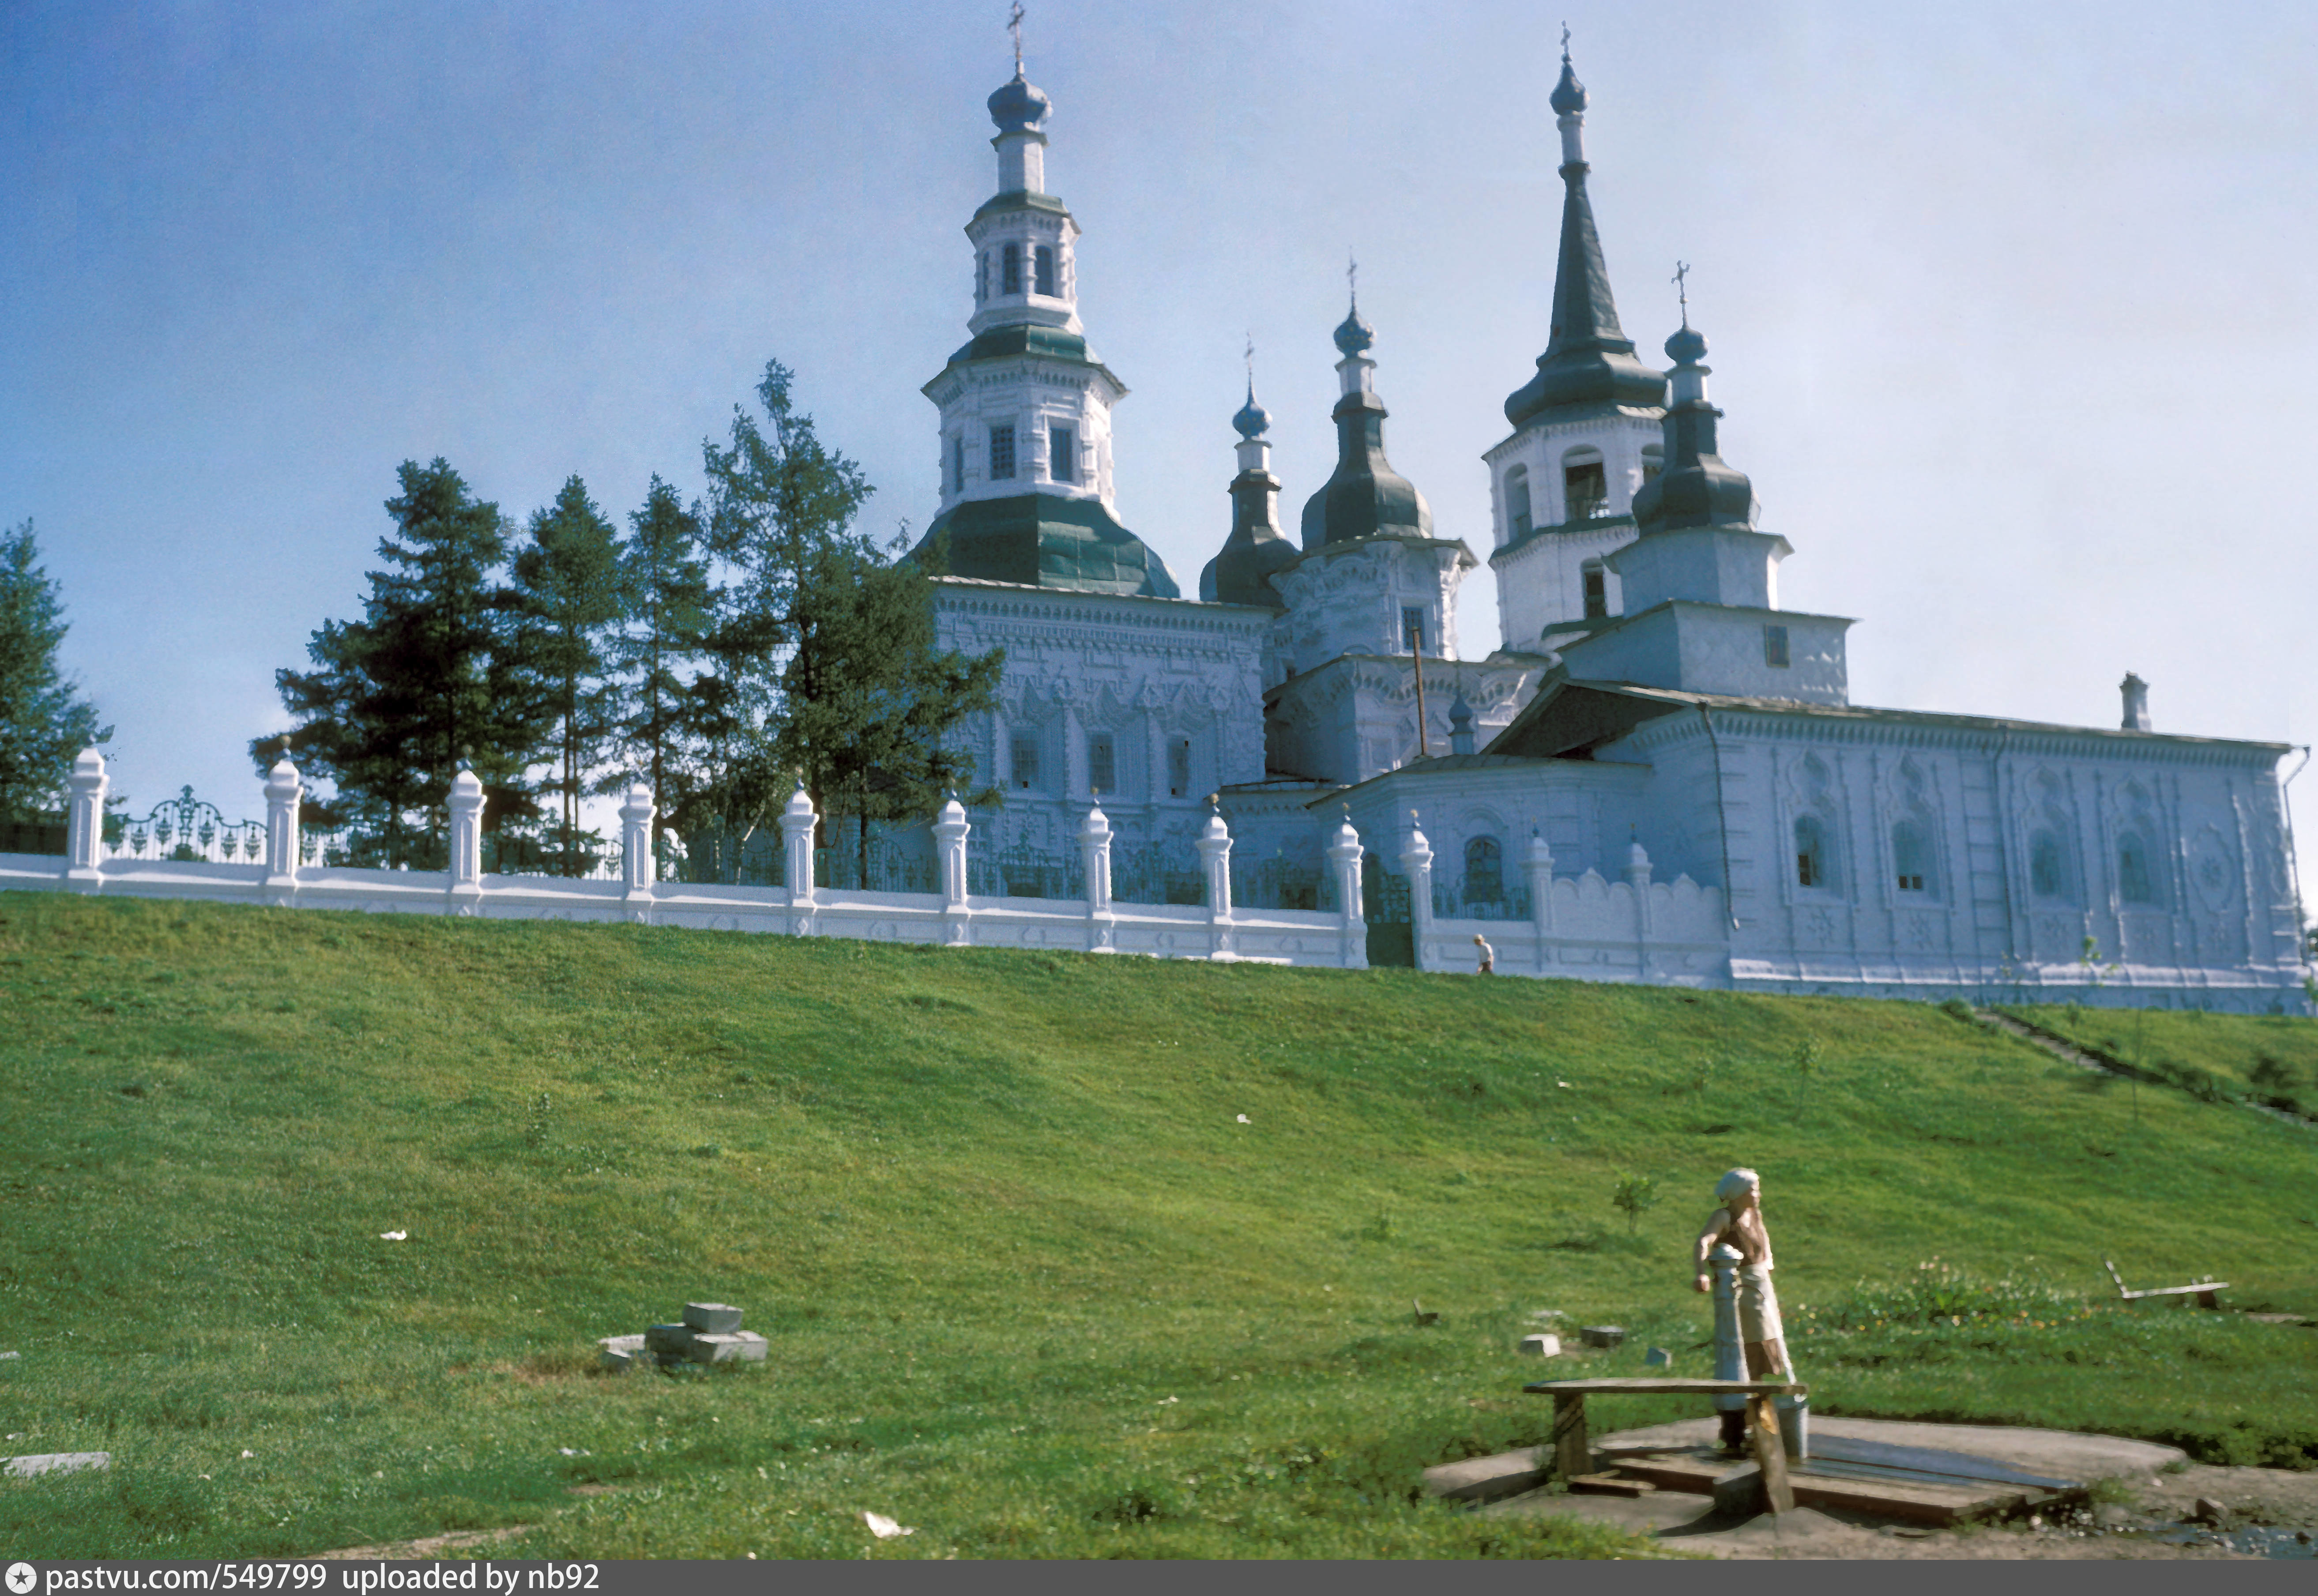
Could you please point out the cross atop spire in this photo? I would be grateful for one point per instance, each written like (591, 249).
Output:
(1014, 26)
(1682, 289)
(1565, 42)
(1353, 278)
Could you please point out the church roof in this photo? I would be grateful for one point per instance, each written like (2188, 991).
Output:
(1045, 540)
(1365, 496)
(1572, 716)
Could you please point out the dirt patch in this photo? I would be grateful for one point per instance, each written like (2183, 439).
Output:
(432, 1546)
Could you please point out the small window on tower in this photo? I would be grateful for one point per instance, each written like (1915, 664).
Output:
(1002, 452)
(1062, 454)
(1653, 459)
(1588, 489)
(957, 463)
(1103, 762)
(1598, 591)
(1009, 269)
(1043, 262)
(1412, 629)
(1179, 767)
(1026, 764)
(1517, 513)
(1774, 647)
(981, 275)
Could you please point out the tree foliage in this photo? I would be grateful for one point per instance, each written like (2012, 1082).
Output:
(44, 722)
(670, 608)
(431, 674)
(567, 584)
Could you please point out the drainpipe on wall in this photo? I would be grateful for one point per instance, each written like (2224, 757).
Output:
(2293, 864)
(1722, 822)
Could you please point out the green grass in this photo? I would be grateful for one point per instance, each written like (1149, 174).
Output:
(1032, 1286)
(2219, 1057)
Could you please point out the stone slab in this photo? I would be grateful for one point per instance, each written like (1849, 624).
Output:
(738, 1346)
(1541, 1346)
(1485, 1479)
(714, 1318)
(2066, 1453)
(40, 1462)
(670, 1338)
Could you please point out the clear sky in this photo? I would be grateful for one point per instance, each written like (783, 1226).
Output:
(2010, 305)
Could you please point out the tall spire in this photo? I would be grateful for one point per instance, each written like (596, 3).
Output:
(1365, 498)
(1588, 359)
(1256, 550)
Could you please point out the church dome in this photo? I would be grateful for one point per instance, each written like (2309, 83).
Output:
(1253, 420)
(1017, 108)
(1365, 497)
(1354, 336)
(1686, 347)
(1568, 94)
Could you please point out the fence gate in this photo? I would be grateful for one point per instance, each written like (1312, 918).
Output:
(1384, 901)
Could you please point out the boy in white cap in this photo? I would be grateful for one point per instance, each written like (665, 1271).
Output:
(1486, 955)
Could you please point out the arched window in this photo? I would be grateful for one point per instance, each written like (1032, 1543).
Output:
(1597, 591)
(1002, 452)
(1517, 512)
(1043, 262)
(1009, 269)
(1062, 454)
(1024, 752)
(2048, 866)
(1912, 856)
(1485, 871)
(1179, 767)
(2135, 884)
(1814, 860)
(1585, 489)
(1103, 762)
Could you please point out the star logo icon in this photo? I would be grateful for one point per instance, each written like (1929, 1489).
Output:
(21, 1578)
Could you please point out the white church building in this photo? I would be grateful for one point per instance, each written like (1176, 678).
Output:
(1660, 775)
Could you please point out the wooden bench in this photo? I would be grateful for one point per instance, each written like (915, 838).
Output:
(2203, 1290)
(1573, 1452)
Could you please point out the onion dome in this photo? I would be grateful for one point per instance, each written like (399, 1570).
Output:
(1253, 420)
(1017, 108)
(1696, 487)
(1568, 94)
(1365, 497)
(1355, 335)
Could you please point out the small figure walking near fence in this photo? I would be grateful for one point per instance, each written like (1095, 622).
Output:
(1486, 955)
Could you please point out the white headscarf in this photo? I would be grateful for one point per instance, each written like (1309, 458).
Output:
(1735, 1182)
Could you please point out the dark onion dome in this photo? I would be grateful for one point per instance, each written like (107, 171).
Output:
(1365, 497)
(1568, 94)
(1253, 420)
(1253, 554)
(1696, 487)
(1017, 108)
(1043, 540)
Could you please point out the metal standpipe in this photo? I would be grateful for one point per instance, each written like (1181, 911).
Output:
(1730, 1364)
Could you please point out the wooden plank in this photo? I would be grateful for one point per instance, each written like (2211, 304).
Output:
(1963, 1467)
(1910, 1500)
(1610, 1484)
(1770, 1454)
(1670, 1388)
(1572, 1455)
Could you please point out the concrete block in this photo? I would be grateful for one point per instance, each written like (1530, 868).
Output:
(622, 1352)
(737, 1346)
(1739, 1490)
(1603, 1335)
(714, 1318)
(24, 1469)
(1657, 1358)
(675, 1339)
(1542, 1346)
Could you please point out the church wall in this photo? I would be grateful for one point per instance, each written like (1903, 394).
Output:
(1154, 674)
(2019, 843)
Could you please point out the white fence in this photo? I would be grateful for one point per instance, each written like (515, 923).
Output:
(1582, 926)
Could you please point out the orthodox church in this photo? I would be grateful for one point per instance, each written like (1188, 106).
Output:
(1655, 723)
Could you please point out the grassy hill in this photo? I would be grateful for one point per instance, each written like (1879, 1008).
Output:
(1059, 1255)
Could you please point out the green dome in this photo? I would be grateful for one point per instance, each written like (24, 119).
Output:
(1043, 540)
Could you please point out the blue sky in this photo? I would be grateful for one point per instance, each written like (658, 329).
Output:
(2010, 305)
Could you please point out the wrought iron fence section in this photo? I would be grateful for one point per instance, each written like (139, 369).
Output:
(893, 867)
(1276, 882)
(1165, 872)
(713, 856)
(1480, 898)
(186, 827)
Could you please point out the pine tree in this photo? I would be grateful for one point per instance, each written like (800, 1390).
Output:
(431, 674)
(671, 605)
(568, 581)
(44, 722)
(868, 701)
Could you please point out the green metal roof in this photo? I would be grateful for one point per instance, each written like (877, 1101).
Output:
(1050, 342)
(1022, 199)
(1043, 540)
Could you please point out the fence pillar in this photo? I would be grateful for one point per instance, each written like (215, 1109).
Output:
(797, 822)
(466, 841)
(950, 831)
(1344, 853)
(1540, 867)
(638, 869)
(1215, 846)
(84, 821)
(283, 793)
(1638, 873)
(1094, 854)
(1416, 864)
